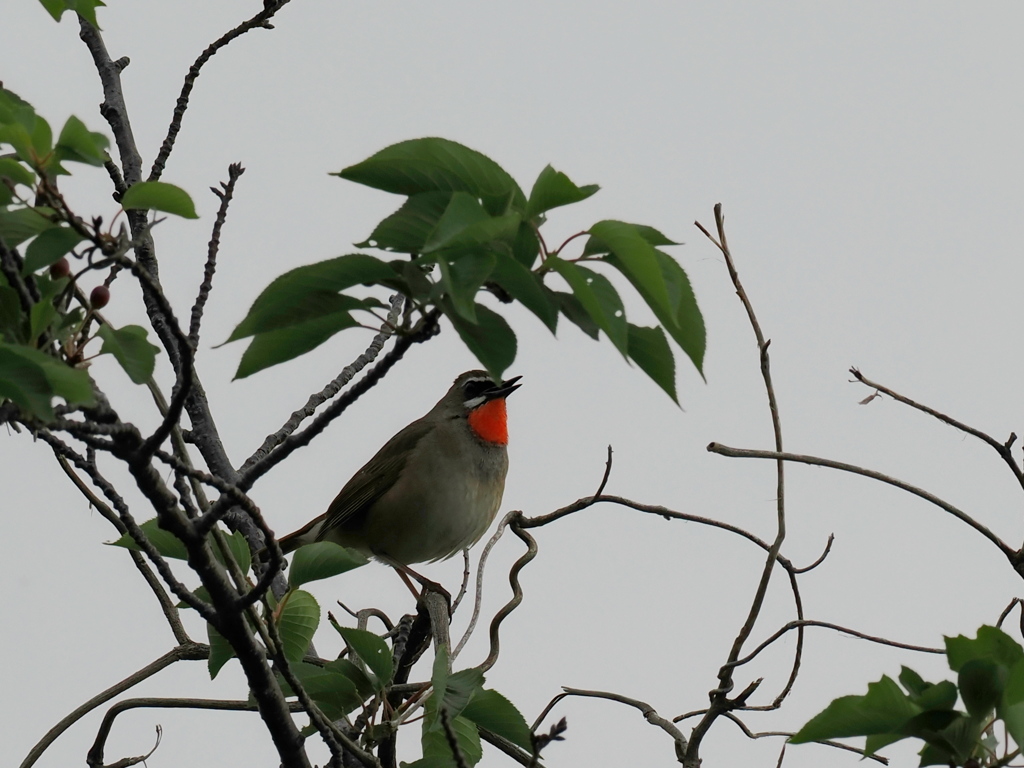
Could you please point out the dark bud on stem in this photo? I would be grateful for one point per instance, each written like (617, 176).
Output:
(100, 297)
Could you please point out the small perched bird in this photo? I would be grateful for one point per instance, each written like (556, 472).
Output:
(433, 489)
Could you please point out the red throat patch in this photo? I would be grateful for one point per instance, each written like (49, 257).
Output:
(490, 422)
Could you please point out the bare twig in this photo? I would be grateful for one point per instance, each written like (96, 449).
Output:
(190, 652)
(744, 453)
(650, 714)
(517, 589)
(821, 557)
(826, 742)
(325, 394)
(261, 19)
(1003, 449)
(466, 572)
(479, 591)
(234, 171)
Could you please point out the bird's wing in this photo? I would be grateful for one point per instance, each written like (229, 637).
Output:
(375, 478)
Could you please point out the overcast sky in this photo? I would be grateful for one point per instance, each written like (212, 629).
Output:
(870, 163)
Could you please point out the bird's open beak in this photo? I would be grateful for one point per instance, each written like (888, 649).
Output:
(504, 389)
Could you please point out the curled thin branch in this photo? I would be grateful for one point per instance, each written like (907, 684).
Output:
(650, 715)
(821, 557)
(517, 589)
(479, 591)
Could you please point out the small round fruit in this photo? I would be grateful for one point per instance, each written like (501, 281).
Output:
(100, 297)
(60, 268)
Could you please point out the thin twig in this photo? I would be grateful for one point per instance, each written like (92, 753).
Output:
(744, 453)
(1003, 449)
(261, 19)
(826, 742)
(234, 171)
(479, 591)
(347, 373)
(190, 652)
(650, 714)
(517, 590)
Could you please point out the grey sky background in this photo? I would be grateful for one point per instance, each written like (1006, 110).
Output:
(868, 157)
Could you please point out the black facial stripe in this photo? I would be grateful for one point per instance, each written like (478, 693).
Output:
(476, 387)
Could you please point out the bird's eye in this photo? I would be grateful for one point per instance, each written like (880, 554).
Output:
(476, 387)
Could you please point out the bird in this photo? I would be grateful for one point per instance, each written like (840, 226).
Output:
(433, 489)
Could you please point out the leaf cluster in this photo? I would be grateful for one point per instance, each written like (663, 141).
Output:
(990, 685)
(466, 229)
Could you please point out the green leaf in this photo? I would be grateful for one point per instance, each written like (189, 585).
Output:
(573, 309)
(87, 8)
(462, 277)
(41, 317)
(526, 288)
(884, 710)
(22, 381)
(490, 339)
(131, 349)
(466, 227)
(981, 683)
(1011, 709)
(31, 379)
(220, 651)
(159, 196)
(684, 323)
(638, 259)
(273, 347)
(372, 651)
(407, 229)
(595, 245)
(297, 619)
(304, 293)
(460, 688)
(16, 172)
(11, 326)
(553, 189)
(598, 297)
(238, 547)
(50, 246)
(526, 247)
(79, 144)
(19, 225)
(490, 710)
(649, 348)
(437, 748)
(329, 687)
(165, 542)
(991, 643)
(321, 560)
(437, 165)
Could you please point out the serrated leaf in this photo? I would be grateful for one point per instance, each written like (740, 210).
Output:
(437, 165)
(372, 651)
(238, 547)
(462, 277)
(684, 322)
(526, 247)
(50, 246)
(298, 616)
(305, 293)
(31, 379)
(332, 690)
(42, 315)
(321, 560)
(554, 189)
(649, 348)
(490, 339)
(436, 746)
(598, 297)
(131, 349)
(981, 683)
(274, 347)
(79, 144)
(221, 651)
(570, 307)
(595, 245)
(159, 196)
(638, 259)
(165, 542)
(526, 288)
(884, 710)
(19, 225)
(992, 643)
(460, 687)
(490, 710)
(407, 229)
(466, 226)
(16, 172)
